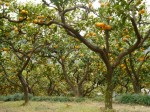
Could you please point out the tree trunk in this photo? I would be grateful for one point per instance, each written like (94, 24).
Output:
(109, 90)
(51, 88)
(136, 87)
(68, 81)
(25, 89)
(78, 91)
(108, 95)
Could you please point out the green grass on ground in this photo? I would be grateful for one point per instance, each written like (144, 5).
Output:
(14, 106)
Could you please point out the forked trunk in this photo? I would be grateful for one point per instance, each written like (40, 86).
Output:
(78, 92)
(25, 89)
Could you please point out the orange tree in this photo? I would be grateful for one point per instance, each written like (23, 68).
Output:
(121, 81)
(45, 78)
(133, 71)
(111, 19)
(4, 54)
(136, 66)
(79, 70)
(21, 38)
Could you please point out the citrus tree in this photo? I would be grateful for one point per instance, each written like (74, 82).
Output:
(114, 29)
(20, 39)
(112, 19)
(136, 67)
(79, 70)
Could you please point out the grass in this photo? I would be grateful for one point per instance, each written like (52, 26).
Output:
(89, 106)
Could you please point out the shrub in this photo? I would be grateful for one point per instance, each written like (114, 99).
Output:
(57, 99)
(19, 96)
(80, 99)
(14, 97)
(61, 99)
(98, 98)
(135, 99)
(2, 98)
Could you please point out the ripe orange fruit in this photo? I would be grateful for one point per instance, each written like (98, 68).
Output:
(94, 34)
(7, 4)
(122, 65)
(28, 18)
(141, 59)
(142, 11)
(91, 34)
(124, 39)
(102, 4)
(16, 29)
(142, 49)
(90, 4)
(107, 27)
(121, 49)
(127, 36)
(108, 4)
(81, 54)
(63, 57)
(55, 46)
(5, 49)
(41, 21)
(99, 24)
(29, 54)
(35, 21)
(24, 12)
(1, 3)
(117, 45)
(20, 18)
(138, 2)
(76, 47)
(30, 48)
(110, 18)
(125, 30)
(40, 17)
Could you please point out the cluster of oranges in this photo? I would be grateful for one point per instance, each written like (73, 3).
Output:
(91, 34)
(123, 66)
(141, 58)
(103, 26)
(5, 49)
(125, 35)
(39, 19)
(6, 3)
(142, 11)
(23, 13)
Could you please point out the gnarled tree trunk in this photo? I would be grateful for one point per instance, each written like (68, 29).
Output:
(25, 89)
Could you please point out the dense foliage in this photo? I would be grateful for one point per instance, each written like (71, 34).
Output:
(71, 48)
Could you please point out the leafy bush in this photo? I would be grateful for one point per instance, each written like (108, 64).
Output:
(40, 98)
(57, 99)
(14, 97)
(19, 96)
(62, 99)
(98, 98)
(2, 98)
(135, 99)
(80, 99)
